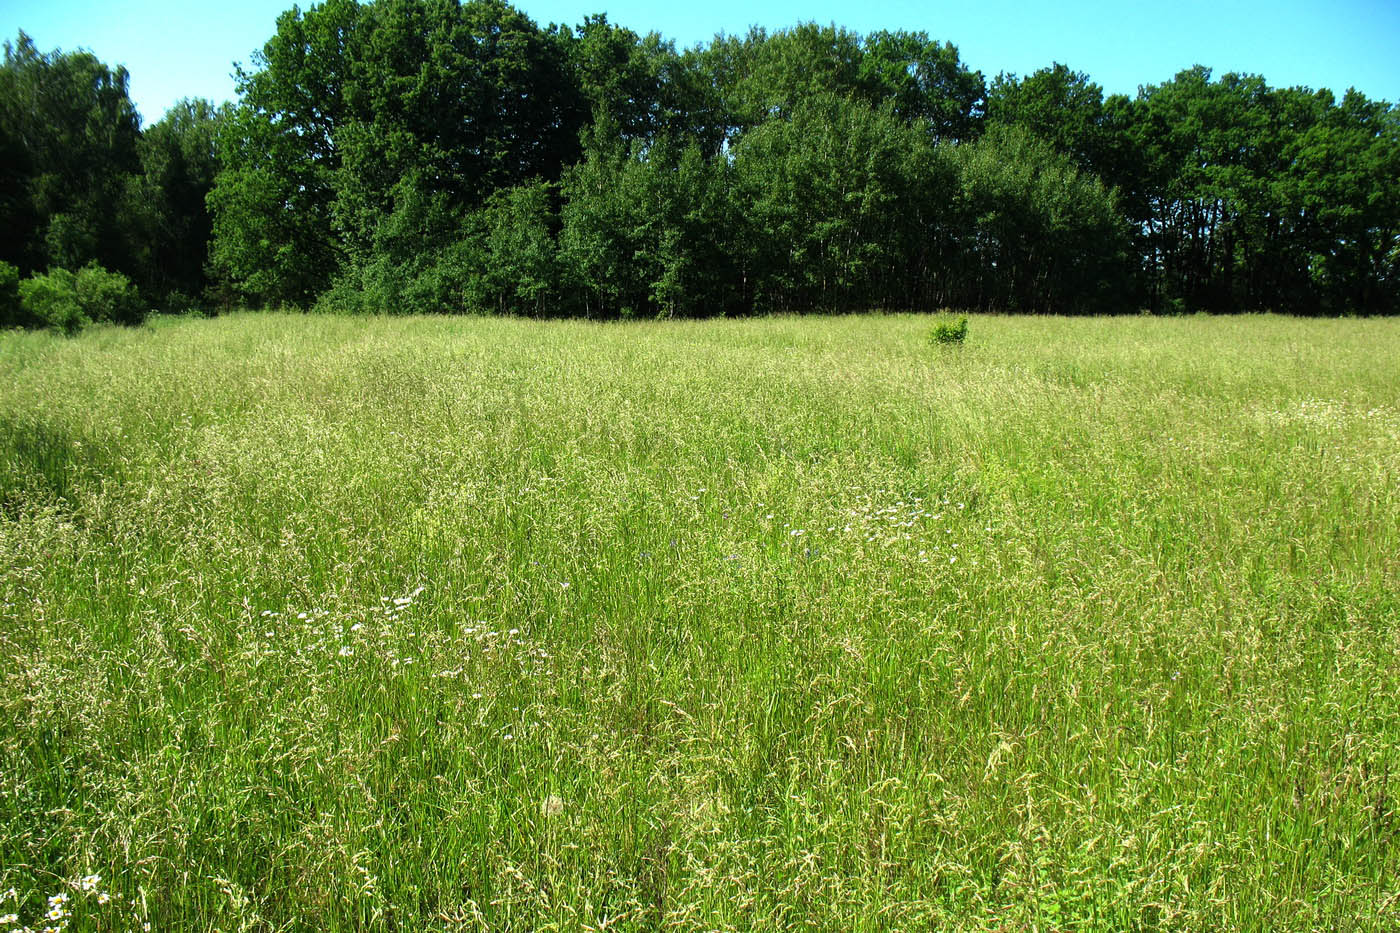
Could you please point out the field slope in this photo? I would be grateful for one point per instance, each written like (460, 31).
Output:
(316, 623)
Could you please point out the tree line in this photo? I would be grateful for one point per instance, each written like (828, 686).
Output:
(437, 156)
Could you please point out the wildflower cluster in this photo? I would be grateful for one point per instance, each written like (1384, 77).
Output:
(388, 633)
(1329, 414)
(62, 909)
(877, 522)
(496, 644)
(318, 631)
(926, 530)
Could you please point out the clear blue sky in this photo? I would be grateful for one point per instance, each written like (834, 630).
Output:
(178, 49)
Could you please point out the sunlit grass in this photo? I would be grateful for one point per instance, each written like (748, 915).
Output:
(330, 624)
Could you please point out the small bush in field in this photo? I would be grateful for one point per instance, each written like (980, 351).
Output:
(950, 330)
(69, 301)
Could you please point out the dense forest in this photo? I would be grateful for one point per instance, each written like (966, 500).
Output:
(433, 156)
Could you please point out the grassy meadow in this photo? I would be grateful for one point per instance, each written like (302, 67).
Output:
(318, 623)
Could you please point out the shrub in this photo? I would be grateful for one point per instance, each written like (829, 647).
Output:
(11, 312)
(950, 330)
(181, 303)
(52, 301)
(108, 297)
(68, 301)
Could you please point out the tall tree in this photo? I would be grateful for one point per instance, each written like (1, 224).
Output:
(839, 198)
(619, 74)
(463, 99)
(368, 133)
(925, 82)
(272, 203)
(651, 231)
(764, 76)
(1058, 105)
(1040, 234)
(1252, 198)
(178, 163)
(69, 135)
(1347, 170)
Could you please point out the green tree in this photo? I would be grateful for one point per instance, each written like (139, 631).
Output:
(650, 231)
(1345, 169)
(764, 76)
(271, 209)
(514, 253)
(273, 234)
(69, 135)
(1058, 105)
(641, 87)
(1253, 198)
(925, 82)
(844, 202)
(1041, 235)
(179, 162)
(468, 98)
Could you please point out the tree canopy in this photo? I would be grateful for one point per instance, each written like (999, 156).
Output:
(437, 155)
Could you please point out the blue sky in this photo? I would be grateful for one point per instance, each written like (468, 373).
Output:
(178, 49)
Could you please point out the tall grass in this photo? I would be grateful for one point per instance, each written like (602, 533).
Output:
(409, 624)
